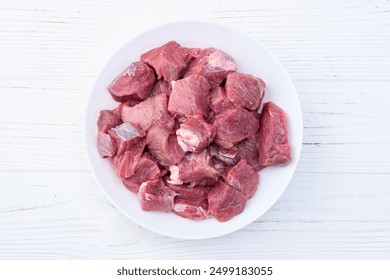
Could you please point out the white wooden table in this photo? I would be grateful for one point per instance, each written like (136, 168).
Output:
(336, 206)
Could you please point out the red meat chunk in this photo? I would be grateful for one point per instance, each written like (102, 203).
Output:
(244, 178)
(244, 90)
(194, 168)
(249, 150)
(146, 170)
(125, 136)
(162, 144)
(145, 114)
(161, 87)
(134, 83)
(126, 163)
(187, 137)
(190, 211)
(188, 97)
(155, 196)
(225, 202)
(234, 125)
(219, 101)
(274, 148)
(214, 64)
(169, 60)
(195, 134)
(106, 145)
(108, 119)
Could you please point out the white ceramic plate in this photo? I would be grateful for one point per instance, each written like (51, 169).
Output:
(251, 58)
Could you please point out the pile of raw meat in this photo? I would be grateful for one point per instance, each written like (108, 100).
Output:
(187, 136)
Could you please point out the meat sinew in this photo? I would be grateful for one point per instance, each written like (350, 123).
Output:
(188, 97)
(134, 83)
(244, 90)
(190, 211)
(145, 114)
(195, 134)
(126, 163)
(244, 178)
(225, 202)
(155, 196)
(169, 60)
(226, 156)
(195, 169)
(214, 64)
(125, 136)
(234, 125)
(274, 148)
(106, 145)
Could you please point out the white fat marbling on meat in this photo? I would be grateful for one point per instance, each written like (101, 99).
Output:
(174, 175)
(187, 140)
(220, 60)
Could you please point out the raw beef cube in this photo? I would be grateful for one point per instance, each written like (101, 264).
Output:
(244, 90)
(195, 134)
(225, 201)
(214, 64)
(187, 195)
(244, 178)
(219, 101)
(146, 113)
(274, 148)
(162, 144)
(155, 196)
(161, 87)
(233, 126)
(107, 119)
(190, 211)
(125, 136)
(248, 150)
(106, 145)
(169, 60)
(126, 163)
(134, 83)
(146, 170)
(194, 168)
(188, 97)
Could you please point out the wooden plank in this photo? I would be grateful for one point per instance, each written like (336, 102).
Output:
(320, 216)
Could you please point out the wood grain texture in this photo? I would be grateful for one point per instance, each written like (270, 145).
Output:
(338, 203)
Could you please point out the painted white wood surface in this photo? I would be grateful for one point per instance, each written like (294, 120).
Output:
(338, 203)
